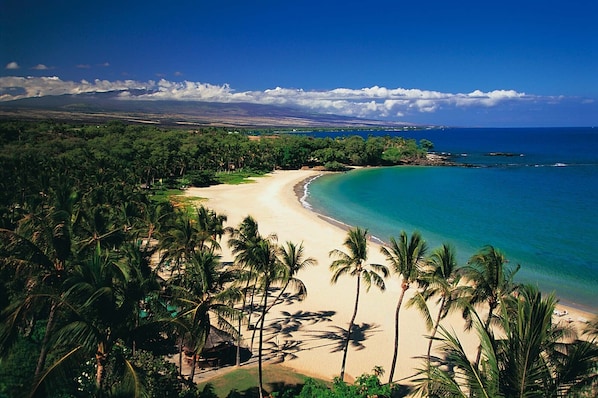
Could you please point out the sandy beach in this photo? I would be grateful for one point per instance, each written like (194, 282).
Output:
(307, 335)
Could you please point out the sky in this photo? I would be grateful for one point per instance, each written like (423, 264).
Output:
(462, 63)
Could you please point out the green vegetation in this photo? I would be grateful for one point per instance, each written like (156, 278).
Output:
(105, 272)
(353, 263)
(237, 177)
(32, 153)
(278, 379)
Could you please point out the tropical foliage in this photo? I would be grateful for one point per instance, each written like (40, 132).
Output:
(101, 283)
(407, 258)
(31, 154)
(353, 263)
(525, 355)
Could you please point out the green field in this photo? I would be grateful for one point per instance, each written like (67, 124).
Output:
(244, 381)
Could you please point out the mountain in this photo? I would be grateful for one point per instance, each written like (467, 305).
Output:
(98, 107)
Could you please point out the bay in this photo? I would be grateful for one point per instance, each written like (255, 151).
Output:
(536, 202)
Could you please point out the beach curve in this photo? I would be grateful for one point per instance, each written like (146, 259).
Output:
(305, 334)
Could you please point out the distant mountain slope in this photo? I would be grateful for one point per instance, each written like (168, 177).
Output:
(101, 106)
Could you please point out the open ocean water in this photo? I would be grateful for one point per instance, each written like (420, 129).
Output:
(539, 204)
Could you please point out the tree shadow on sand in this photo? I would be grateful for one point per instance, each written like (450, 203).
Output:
(359, 334)
(289, 323)
(285, 351)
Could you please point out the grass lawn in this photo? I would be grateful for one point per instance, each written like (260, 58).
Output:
(178, 199)
(237, 177)
(245, 380)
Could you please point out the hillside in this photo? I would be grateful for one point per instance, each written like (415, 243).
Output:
(105, 106)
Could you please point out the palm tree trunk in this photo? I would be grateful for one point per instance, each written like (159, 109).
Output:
(259, 320)
(193, 364)
(251, 306)
(396, 346)
(278, 297)
(41, 361)
(238, 354)
(486, 327)
(440, 311)
(238, 359)
(261, 380)
(181, 356)
(268, 310)
(346, 348)
(100, 363)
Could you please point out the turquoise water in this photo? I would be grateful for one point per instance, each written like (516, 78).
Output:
(538, 206)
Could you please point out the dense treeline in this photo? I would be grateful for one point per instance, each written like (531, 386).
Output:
(31, 153)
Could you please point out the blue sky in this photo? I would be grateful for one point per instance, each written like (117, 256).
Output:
(508, 63)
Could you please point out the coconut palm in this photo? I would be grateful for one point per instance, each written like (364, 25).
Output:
(39, 250)
(353, 263)
(154, 216)
(489, 281)
(179, 242)
(441, 280)
(532, 358)
(211, 228)
(205, 297)
(292, 257)
(269, 270)
(407, 257)
(243, 241)
(100, 309)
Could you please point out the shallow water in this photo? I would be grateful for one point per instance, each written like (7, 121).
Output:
(538, 206)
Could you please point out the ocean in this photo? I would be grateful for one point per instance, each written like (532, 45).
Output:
(533, 194)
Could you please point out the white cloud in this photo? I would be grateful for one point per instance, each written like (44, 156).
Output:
(369, 102)
(40, 67)
(12, 66)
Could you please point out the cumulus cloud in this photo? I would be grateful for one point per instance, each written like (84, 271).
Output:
(371, 102)
(12, 66)
(40, 67)
(44, 86)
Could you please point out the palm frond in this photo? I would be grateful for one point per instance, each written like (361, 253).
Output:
(55, 372)
(419, 302)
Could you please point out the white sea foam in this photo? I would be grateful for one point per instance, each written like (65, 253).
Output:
(303, 199)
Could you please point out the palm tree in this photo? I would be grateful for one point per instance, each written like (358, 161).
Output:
(243, 241)
(179, 242)
(100, 309)
(407, 257)
(489, 281)
(269, 270)
(153, 217)
(532, 358)
(41, 248)
(353, 263)
(211, 227)
(203, 291)
(441, 280)
(100, 312)
(293, 259)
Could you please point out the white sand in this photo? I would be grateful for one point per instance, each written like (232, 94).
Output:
(311, 346)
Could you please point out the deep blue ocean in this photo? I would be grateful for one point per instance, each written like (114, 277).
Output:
(538, 205)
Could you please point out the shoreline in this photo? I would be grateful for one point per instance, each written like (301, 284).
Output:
(305, 334)
(300, 191)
